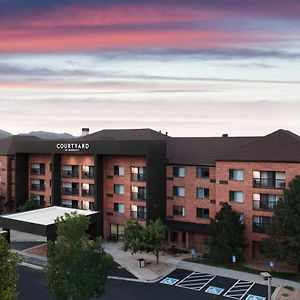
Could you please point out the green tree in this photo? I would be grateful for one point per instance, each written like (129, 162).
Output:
(283, 242)
(30, 204)
(133, 236)
(149, 239)
(227, 235)
(8, 271)
(77, 267)
(154, 237)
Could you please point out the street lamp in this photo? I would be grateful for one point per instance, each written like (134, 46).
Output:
(267, 276)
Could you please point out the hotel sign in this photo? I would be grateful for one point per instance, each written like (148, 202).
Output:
(72, 147)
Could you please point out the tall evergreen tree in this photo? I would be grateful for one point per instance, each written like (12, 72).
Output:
(227, 235)
(283, 242)
(8, 271)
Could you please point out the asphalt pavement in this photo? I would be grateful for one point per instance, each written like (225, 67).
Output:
(180, 284)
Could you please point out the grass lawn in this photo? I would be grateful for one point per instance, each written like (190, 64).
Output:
(287, 276)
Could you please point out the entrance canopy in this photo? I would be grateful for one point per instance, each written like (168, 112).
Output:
(42, 221)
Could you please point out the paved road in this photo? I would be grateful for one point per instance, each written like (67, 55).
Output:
(190, 285)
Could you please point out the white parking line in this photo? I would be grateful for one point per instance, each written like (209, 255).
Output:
(195, 281)
(239, 289)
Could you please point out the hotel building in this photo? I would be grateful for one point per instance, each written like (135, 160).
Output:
(143, 174)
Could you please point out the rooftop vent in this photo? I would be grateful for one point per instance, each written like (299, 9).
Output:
(85, 131)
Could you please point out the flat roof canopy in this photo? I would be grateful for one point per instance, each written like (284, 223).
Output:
(42, 221)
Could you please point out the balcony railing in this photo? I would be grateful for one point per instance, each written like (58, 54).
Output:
(88, 193)
(37, 187)
(87, 175)
(264, 205)
(141, 215)
(138, 177)
(138, 196)
(36, 171)
(260, 227)
(70, 191)
(69, 174)
(268, 183)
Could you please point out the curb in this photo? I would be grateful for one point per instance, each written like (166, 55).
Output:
(25, 264)
(141, 279)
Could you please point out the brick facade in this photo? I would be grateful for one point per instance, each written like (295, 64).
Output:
(219, 192)
(110, 216)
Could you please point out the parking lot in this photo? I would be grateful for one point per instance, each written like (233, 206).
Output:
(216, 286)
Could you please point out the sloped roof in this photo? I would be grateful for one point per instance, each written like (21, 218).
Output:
(279, 146)
(7, 145)
(202, 150)
(125, 134)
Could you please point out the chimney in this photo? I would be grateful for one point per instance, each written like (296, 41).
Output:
(166, 132)
(85, 131)
(224, 135)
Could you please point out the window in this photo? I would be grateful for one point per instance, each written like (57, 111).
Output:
(119, 189)
(269, 179)
(202, 213)
(236, 196)
(202, 193)
(87, 172)
(178, 210)
(37, 169)
(179, 191)
(174, 236)
(70, 171)
(202, 172)
(138, 193)
(178, 171)
(119, 207)
(236, 174)
(117, 231)
(138, 212)
(118, 171)
(260, 223)
(242, 217)
(265, 201)
(138, 173)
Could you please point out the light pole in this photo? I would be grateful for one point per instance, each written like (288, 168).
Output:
(268, 276)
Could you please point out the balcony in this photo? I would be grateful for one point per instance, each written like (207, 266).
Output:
(138, 177)
(264, 205)
(88, 193)
(259, 227)
(37, 187)
(140, 215)
(268, 183)
(36, 171)
(70, 191)
(138, 196)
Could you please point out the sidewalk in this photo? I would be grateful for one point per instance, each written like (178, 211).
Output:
(129, 261)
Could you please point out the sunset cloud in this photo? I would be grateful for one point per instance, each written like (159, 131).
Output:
(205, 66)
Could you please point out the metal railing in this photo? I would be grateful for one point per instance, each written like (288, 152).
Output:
(70, 191)
(269, 183)
(87, 175)
(260, 227)
(138, 196)
(37, 187)
(141, 215)
(37, 171)
(138, 177)
(88, 193)
(264, 205)
(69, 174)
